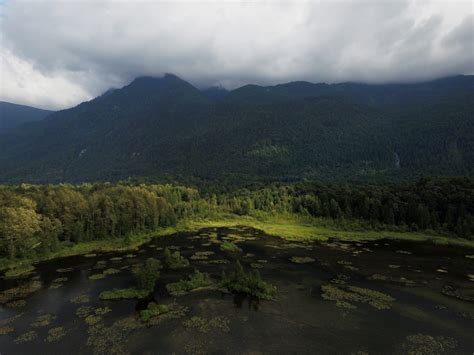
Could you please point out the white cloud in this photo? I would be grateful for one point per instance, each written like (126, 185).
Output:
(66, 51)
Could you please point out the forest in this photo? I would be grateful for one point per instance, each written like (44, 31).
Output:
(38, 219)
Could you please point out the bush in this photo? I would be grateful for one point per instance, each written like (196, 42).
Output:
(196, 280)
(251, 283)
(147, 274)
(175, 260)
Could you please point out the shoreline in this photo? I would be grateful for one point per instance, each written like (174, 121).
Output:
(289, 229)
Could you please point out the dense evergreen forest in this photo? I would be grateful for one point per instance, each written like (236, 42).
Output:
(36, 219)
(164, 127)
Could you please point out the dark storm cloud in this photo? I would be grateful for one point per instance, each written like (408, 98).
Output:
(57, 53)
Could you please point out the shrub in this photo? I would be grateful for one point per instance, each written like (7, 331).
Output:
(251, 283)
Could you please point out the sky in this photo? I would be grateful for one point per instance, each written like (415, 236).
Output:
(56, 54)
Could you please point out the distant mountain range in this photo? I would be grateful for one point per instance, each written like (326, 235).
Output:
(165, 127)
(12, 115)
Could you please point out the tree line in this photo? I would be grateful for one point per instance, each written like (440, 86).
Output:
(36, 219)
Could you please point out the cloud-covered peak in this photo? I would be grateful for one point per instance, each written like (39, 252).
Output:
(58, 53)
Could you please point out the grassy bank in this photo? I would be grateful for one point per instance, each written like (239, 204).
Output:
(288, 227)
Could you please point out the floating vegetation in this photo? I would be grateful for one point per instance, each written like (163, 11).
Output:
(80, 299)
(251, 283)
(112, 339)
(63, 270)
(101, 264)
(92, 319)
(21, 291)
(174, 260)
(153, 310)
(344, 295)
(91, 255)
(116, 258)
(55, 334)
(423, 344)
(102, 310)
(443, 271)
(129, 256)
(378, 277)
(60, 279)
(43, 320)
(16, 304)
(26, 337)
(218, 261)
(201, 255)
(470, 277)
(256, 266)
(83, 311)
(204, 325)
(206, 244)
(124, 293)
(6, 330)
(469, 256)
(453, 292)
(195, 281)
(111, 271)
(302, 259)
(96, 277)
(391, 266)
(344, 262)
(403, 252)
(249, 255)
(230, 247)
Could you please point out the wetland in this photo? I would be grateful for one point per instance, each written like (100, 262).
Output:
(326, 297)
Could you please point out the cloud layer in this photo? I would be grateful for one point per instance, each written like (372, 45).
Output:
(58, 53)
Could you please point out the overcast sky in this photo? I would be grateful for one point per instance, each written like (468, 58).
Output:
(55, 54)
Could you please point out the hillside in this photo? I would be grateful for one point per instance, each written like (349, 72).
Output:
(13, 116)
(165, 127)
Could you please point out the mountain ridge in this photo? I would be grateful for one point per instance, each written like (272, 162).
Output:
(155, 127)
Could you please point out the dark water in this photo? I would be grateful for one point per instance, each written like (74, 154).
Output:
(423, 304)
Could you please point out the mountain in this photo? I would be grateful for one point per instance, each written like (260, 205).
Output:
(12, 115)
(165, 127)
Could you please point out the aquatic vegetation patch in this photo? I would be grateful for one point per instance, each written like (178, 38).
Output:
(55, 334)
(424, 344)
(26, 337)
(6, 330)
(83, 311)
(16, 304)
(195, 281)
(96, 277)
(457, 293)
(91, 255)
(43, 320)
(20, 291)
(174, 260)
(116, 258)
(92, 319)
(124, 294)
(302, 259)
(80, 299)
(102, 310)
(153, 310)
(256, 266)
(204, 325)
(112, 339)
(218, 261)
(202, 255)
(230, 247)
(64, 270)
(111, 271)
(344, 296)
(249, 283)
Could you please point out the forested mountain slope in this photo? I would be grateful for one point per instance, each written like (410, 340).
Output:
(156, 127)
(13, 115)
